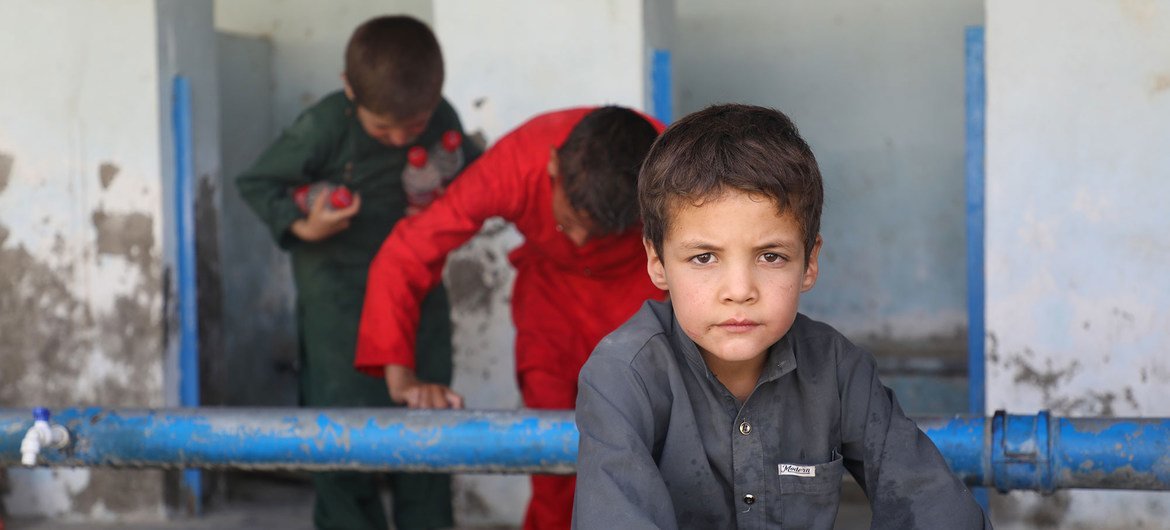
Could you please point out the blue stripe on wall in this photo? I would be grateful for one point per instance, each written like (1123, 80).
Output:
(661, 88)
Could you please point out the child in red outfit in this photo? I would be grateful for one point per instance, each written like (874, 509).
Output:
(567, 180)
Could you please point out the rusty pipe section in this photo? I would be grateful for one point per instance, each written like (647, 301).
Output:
(1006, 451)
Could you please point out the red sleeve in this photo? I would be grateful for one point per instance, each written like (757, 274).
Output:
(410, 262)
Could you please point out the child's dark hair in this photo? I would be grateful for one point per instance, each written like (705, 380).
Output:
(731, 147)
(394, 66)
(599, 164)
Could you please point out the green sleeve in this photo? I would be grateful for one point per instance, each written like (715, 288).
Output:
(292, 160)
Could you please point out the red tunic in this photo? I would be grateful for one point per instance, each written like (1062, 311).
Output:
(566, 298)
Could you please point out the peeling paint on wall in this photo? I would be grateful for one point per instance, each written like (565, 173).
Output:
(127, 235)
(58, 352)
(1077, 331)
(6, 161)
(1160, 83)
(479, 282)
(83, 215)
(106, 174)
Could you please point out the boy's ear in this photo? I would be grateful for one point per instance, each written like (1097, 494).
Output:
(348, 89)
(654, 266)
(554, 163)
(810, 269)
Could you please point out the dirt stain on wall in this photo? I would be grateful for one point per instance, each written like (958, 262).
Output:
(6, 162)
(208, 281)
(466, 285)
(51, 340)
(39, 323)
(129, 235)
(106, 174)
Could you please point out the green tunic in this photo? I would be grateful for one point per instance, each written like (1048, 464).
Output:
(327, 143)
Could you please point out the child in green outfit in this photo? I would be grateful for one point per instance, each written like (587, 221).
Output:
(358, 140)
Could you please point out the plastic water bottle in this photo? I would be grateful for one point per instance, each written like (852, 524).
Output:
(339, 196)
(420, 178)
(447, 155)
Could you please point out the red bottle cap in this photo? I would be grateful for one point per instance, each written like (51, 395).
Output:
(301, 196)
(417, 156)
(451, 140)
(341, 197)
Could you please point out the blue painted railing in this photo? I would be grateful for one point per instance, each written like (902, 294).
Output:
(314, 439)
(1007, 452)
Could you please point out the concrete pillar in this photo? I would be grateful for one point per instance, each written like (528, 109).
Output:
(1078, 299)
(86, 224)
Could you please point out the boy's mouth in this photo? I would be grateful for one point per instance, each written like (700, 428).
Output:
(738, 325)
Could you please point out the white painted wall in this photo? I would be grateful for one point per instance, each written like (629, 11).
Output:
(1078, 298)
(877, 90)
(509, 60)
(85, 177)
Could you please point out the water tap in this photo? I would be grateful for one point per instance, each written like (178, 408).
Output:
(40, 435)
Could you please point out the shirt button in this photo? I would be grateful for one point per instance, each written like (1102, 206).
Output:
(749, 499)
(588, 272)
(745, 428)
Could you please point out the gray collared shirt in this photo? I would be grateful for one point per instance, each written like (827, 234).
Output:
(665, 445)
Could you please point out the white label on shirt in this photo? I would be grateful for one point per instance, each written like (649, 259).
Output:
(798, 471)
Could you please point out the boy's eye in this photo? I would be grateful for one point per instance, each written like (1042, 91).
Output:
(772, 257)
(703, 259)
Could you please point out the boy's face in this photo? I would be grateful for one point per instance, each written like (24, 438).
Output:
(386, 129)
(390, 131)
(735, 270)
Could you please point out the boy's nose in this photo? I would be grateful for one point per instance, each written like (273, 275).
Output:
(398, 138)
(739, 286)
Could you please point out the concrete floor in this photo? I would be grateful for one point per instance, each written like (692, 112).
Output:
(261, 502)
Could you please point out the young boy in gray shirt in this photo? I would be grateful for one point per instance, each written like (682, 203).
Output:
(724, 407)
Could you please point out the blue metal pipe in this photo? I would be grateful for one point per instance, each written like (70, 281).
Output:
(1045, 453)
(1008, 452)
(976, 107)
(185, 267)
(311, 439)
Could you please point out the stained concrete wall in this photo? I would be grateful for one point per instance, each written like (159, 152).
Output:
(877, 90)
(85, 245)
(1078, 299)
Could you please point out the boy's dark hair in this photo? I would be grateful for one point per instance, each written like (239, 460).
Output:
(394, 66)
(599, 164)
(752, 149)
